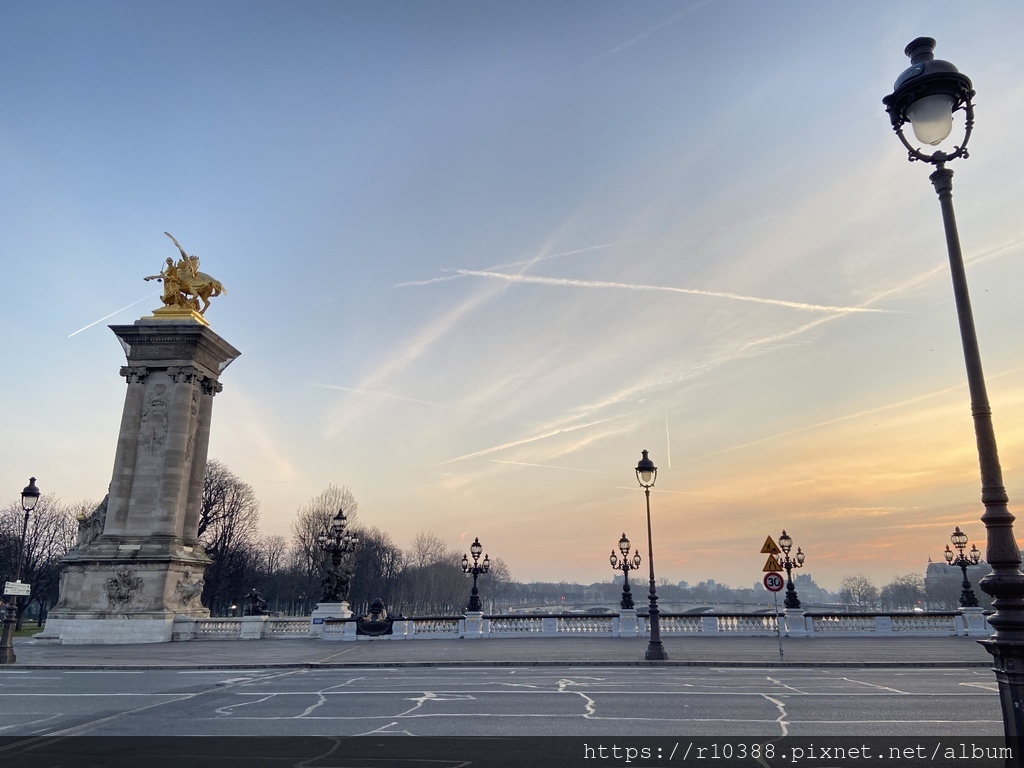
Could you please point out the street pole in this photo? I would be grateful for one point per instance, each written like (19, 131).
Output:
(29, 498)
(646, 474)
(925, 85)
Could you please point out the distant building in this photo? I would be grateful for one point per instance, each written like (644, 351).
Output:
(943, 584)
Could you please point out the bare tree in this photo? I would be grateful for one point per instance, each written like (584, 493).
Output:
(903, 592)
(499, 588)
(427, 548)
(858, 590)
(433, 580)
(274, 553)
(311, 520)
(229, 530)
(49, 534)
(378, 572)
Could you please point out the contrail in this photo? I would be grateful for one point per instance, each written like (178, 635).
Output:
(646, 33)
(546, 466)
(525, 440)
(384, 394)
(665, 288)
(668, 444)
(122, 309)
(526, 262)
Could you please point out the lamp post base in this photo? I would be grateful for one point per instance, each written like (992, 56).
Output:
(655, 652)
(1008, 665)
(7, 642)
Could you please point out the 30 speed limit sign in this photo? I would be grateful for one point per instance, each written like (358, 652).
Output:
(773, 582)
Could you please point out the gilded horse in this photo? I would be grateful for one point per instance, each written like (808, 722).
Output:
(196, 285)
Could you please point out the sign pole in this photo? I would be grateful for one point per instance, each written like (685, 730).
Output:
(778, 625)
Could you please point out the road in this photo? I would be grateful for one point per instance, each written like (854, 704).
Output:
(495, 701)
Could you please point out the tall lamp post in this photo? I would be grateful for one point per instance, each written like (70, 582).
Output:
(967, 597)
(625, 565)
(338, 543)
(475, 570)
(926, 95)
(789, 563)
(29, 498)
(646, 474)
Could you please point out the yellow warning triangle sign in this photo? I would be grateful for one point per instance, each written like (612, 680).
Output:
(770, 547)
(772, 564)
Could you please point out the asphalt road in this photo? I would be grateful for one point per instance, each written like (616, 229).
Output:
(500, 701)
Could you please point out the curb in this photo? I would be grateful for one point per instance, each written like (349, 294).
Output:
(519, 664)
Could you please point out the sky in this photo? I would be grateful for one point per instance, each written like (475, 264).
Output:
(479, 255)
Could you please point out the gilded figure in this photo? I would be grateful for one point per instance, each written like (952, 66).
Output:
(184, 285)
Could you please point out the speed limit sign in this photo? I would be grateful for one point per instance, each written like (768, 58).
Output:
(773, 582)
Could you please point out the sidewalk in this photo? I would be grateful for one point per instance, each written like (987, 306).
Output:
(559, 651)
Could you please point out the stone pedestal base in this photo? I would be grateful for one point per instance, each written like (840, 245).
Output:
(474, 625)
(116, 592)
(80, 630)
(975, 624)
(796, 623)
(628, 626)
(328, 611)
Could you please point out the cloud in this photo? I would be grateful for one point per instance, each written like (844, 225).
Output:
(385, 395)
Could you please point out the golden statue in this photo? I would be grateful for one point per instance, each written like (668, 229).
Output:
(185, 286)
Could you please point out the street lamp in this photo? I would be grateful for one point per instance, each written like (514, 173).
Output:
(967, 597)
(338, 544)
(625, 565)
(646, 474)
(926, 95)
(789, 563)
(29, 498)
(475, 570)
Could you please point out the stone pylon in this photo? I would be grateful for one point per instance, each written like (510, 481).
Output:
(138, 562)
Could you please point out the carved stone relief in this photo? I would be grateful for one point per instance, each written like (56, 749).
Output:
(194, 424)
(153, 426)
(188, 589)
(123, 587)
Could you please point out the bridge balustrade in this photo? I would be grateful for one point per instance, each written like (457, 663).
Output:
(970, 622)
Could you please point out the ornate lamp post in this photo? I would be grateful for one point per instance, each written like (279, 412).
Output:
(29, 498)
(967, 597)
(475, 570)
(625, 565)
(926, 95)
(789, 563)
(338, 544)
(646, 474)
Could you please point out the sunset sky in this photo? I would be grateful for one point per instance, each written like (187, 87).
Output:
(479, 255)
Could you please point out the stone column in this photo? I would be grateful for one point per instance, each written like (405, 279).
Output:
(200, 448)
(127, 449)
(138, 564)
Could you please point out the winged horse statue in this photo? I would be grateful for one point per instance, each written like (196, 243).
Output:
(184, 284)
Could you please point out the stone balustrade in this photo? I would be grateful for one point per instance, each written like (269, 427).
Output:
(967, 622)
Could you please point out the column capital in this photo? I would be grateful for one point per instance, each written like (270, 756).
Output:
(134, 374)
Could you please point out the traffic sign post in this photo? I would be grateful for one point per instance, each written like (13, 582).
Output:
(773, 582)
(770, 547)
(14, 588)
